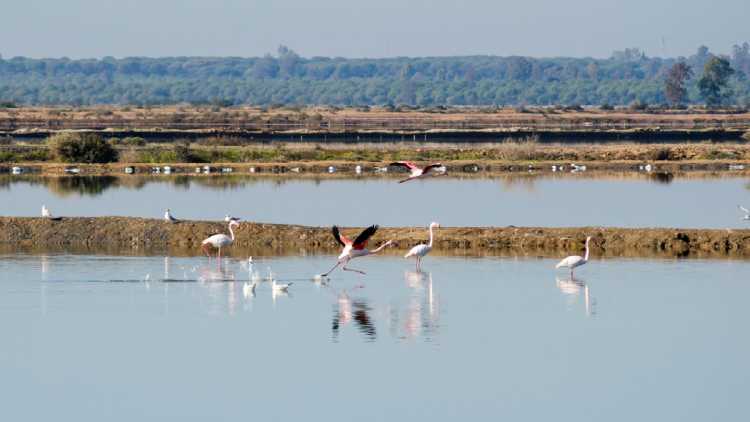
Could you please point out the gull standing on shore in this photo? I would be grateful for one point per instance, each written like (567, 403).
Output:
(228, 218)
(169, 217)
(48, 215)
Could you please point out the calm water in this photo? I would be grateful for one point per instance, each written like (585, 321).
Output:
(104, 338)
(570, 200)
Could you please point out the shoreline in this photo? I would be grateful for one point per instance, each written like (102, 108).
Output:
(137, 235)
(335, 168)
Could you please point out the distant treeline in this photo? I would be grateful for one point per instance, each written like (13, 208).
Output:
(628, 76)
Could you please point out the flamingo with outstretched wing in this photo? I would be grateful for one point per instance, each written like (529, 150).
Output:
(354, 248)
(418, 172)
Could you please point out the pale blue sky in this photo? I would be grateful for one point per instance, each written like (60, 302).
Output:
(355, 28)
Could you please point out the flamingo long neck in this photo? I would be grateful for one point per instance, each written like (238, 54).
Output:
(431, 236)
(586, 257)
(232, 233)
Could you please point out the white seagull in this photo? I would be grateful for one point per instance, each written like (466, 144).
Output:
(47, 214)
(574, 261)
(416, 171)
(280, 287)
(168, 217)
(746, 211)
(421, 250)
(228, 218)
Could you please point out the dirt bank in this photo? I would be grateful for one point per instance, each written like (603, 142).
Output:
(135, 235)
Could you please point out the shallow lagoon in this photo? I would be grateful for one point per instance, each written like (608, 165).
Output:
(106, 338)
(621, 200)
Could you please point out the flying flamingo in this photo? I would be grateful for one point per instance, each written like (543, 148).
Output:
(219, 241)
(354, 249)
(575, 260)
(417, 172)
(421, 250)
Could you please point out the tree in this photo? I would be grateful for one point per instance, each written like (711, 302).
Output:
(713, 83)
(674, 85)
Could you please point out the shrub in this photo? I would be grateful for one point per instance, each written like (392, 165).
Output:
(81, 148)
(606, 107)
(182, 153)
(661, 154)
(746, 136)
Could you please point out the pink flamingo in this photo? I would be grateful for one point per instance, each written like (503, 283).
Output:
(219, 241)
(416, 171)
(354, 249)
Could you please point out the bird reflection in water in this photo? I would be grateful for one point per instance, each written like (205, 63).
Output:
(422, 313)
(347, 310)
(219, 282)
(573, 288)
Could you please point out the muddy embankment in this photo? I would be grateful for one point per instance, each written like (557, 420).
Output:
(134, 236)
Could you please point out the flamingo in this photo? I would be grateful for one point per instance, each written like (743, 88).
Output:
(746, 211)
(354, 249)
(219, 241)
(575, 260)
(421, 250)
(168, 217)
(416, 171)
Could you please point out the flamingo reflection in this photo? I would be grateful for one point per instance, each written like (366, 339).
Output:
(348, 310)
(572, 288)
(422, 313)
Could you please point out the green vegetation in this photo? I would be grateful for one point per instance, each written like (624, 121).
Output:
(81, 148)
(713, 85)
(289, 79)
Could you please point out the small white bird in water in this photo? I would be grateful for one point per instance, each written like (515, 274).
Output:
(228, 218)
(746, 211)
(280, 287)
(574, 261)
(169, 217)
(422, 249)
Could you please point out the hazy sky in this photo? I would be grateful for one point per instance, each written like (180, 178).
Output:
(372, 28)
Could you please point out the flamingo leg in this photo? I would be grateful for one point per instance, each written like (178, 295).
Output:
(331, 270)
(345, 268)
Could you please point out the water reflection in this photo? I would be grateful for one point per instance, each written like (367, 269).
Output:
(64, 186)
(422, 313)
(572, 288)
(357, 311)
